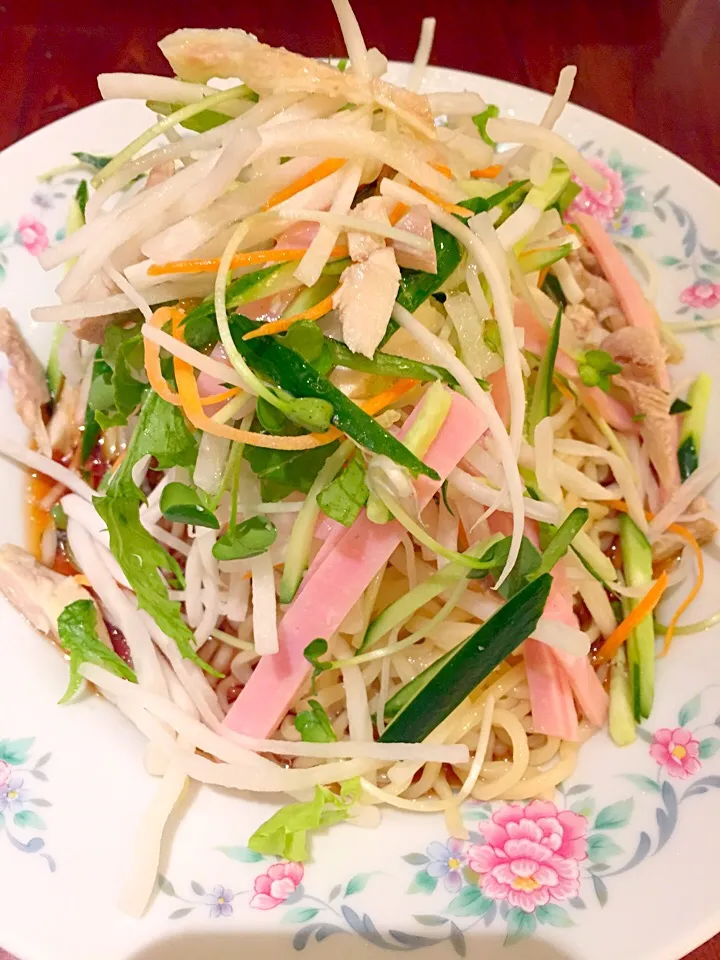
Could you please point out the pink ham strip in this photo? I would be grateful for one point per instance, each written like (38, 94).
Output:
(616, 414)
(551, 690)
(337, 583)
(553, 709)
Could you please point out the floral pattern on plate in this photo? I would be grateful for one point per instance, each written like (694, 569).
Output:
(524, 865)
(19, 818)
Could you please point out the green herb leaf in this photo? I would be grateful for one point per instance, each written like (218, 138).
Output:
(491, 337)
(269, 417)
(385, 364)
(314, 725)
(248, 539)
(288, 370)
(313, 651)
(81, 196)
(283, 471)
(438, 691)
(77, 630)
(285, 833)
(553, 288)
(161, 432)
(347, 494)
(596, 368)
(59, 516)
(508, 200)
(180, 503)
(443, 491)
(480, 120)
(307, 339)
(118, 385)
(602, 361)
(680, 406)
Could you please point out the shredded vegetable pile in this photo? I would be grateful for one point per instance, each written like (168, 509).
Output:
(359, 471)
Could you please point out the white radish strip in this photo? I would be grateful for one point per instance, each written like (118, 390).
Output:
(91, 521)
(134, 296)
(205, 541)
(146, 86)
(36, 461)
(214, 368)
(448, 527)
(352, 35)
(120, 608)
(147, 845)
(119, 303)
(620, 468)
(236, 606)
(570, 287)
(189, 675)
(456, 104)
(357, 224)
(443, 356)
(554, 109)
(683, 497)
(239, 750)
(522, 131)
(562, 637)
(318, 253)
(264, 604)
(193, 580)
(178, 693)
(210, 464)
(328, 138)
(167, 538)
(356, 700)
(422, 54)
(545, 461)
(478, 491)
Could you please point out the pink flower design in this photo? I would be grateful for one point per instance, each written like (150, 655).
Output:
(602, 204)
(5, 772)
(33, 235)
(275, 886)
(702, 295)
(531, 855)
(676, 750)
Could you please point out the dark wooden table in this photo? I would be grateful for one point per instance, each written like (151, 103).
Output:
(650, 64)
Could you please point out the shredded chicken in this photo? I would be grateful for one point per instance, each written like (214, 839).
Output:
(416, 220)
(365, 300)
(38, 593)
(703, 529)
(27, 380)
(362, 245)
(639, 352)
(202, 54)
(584, 322)
(658, 429)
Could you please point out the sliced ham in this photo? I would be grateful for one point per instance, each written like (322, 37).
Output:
(553, 708)
(337, 583)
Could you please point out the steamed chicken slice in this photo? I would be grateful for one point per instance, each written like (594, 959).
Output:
(27, 380)
(362, 245)
(38, 593)
(417, 221)
(365, 299)
(196, 54)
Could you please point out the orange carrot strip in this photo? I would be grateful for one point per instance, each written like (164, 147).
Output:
(398, 212)
(280, 326)
(441, 168)
(219, 397)
(152, 356)
(239, 260)
(683, 532)
(322, 170)
(487, 173)
(381, 400)
(192, 406)
(620, 634)
(448, 207)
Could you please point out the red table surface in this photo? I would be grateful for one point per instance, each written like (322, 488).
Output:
(653, 65)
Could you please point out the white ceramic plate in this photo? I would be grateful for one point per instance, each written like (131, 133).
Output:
(638, 827)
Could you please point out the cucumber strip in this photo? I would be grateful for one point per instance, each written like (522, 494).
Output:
(54, 374)
(432, 415)
(463, 668)
(542, 392)
(535, 260)
(637, 564)
(694, 425)
(621, 722)
(298, 548)
(404, 607)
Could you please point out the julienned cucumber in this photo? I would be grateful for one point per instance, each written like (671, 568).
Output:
(694, 425)
(621, 722)
(437, 691)
(637, 565)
